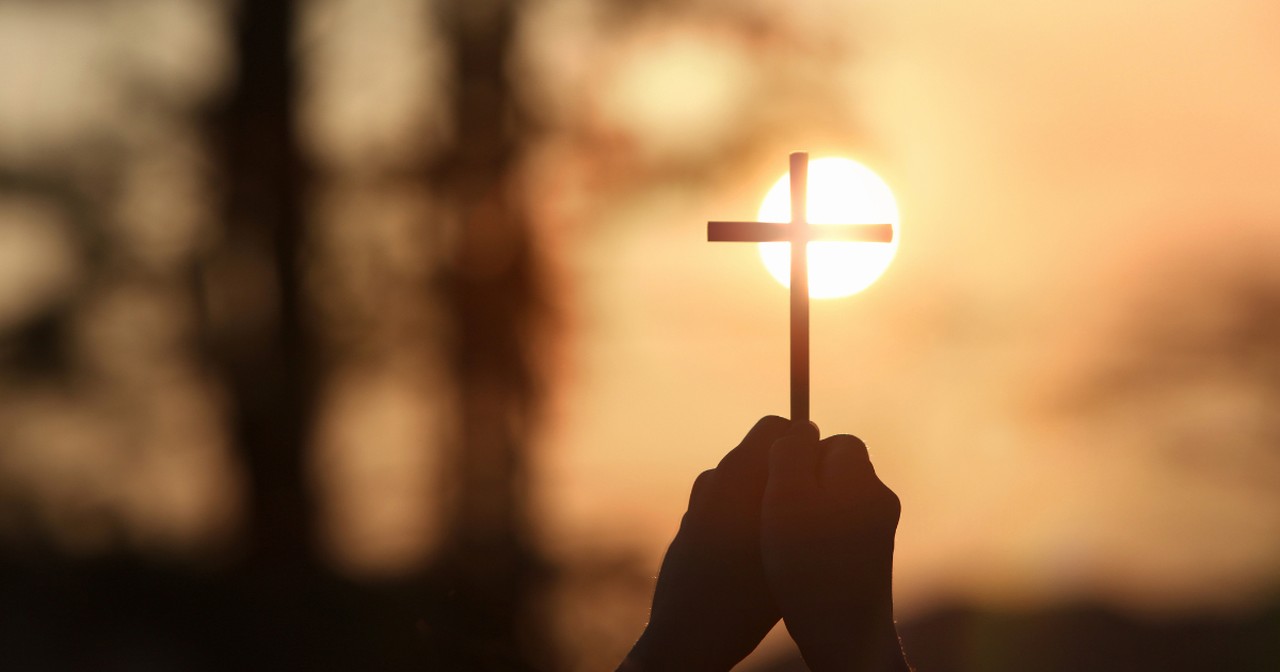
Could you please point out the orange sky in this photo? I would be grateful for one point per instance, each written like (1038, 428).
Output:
(1058, 168)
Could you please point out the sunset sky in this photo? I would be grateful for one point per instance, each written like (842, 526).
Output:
(1068, 177)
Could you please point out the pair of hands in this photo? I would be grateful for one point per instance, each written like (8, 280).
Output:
(786, 526)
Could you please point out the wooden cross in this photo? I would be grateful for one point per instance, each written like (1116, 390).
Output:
(799, 233)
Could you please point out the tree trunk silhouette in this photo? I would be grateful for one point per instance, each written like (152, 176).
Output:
(254, 302)
(493, 296)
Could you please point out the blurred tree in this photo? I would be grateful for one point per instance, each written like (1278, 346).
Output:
(256, 310)
(492, 289)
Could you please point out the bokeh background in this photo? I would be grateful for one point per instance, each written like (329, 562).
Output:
(382, 334)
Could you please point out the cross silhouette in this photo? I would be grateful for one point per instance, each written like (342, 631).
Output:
(798, 231)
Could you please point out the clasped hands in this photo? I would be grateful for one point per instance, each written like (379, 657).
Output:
(786, 526)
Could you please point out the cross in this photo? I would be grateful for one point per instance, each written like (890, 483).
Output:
(799, 233)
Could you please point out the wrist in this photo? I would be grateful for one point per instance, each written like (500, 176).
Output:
(849, 647)
(658, 651)
(885, 657)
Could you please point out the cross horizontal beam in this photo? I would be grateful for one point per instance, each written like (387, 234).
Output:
(765, 232)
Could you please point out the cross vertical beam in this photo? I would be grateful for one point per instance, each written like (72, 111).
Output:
(799, 287)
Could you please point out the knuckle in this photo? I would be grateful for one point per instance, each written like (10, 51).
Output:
(754, 447)
(704, 482)
(773, 424)
(733, 459)
(703, 486)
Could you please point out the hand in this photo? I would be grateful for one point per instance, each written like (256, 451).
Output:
(827, 532)
(712, 604)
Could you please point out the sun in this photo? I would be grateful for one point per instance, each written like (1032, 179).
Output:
(841, 191)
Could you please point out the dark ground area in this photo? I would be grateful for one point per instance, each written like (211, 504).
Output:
(121, 615)
(112, 615)
(1084, 638)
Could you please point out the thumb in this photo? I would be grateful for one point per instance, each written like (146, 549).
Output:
(750, 460)
(794, 459)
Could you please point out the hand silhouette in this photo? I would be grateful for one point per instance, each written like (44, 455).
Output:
(712, 604)
(827, 532)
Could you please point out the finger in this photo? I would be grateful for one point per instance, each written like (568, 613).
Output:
(846, 462)
(752, 455)
(795, 458)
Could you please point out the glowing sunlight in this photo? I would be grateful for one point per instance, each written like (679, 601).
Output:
(841, 191)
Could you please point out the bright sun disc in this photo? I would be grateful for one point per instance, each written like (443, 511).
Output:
(840, 191)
